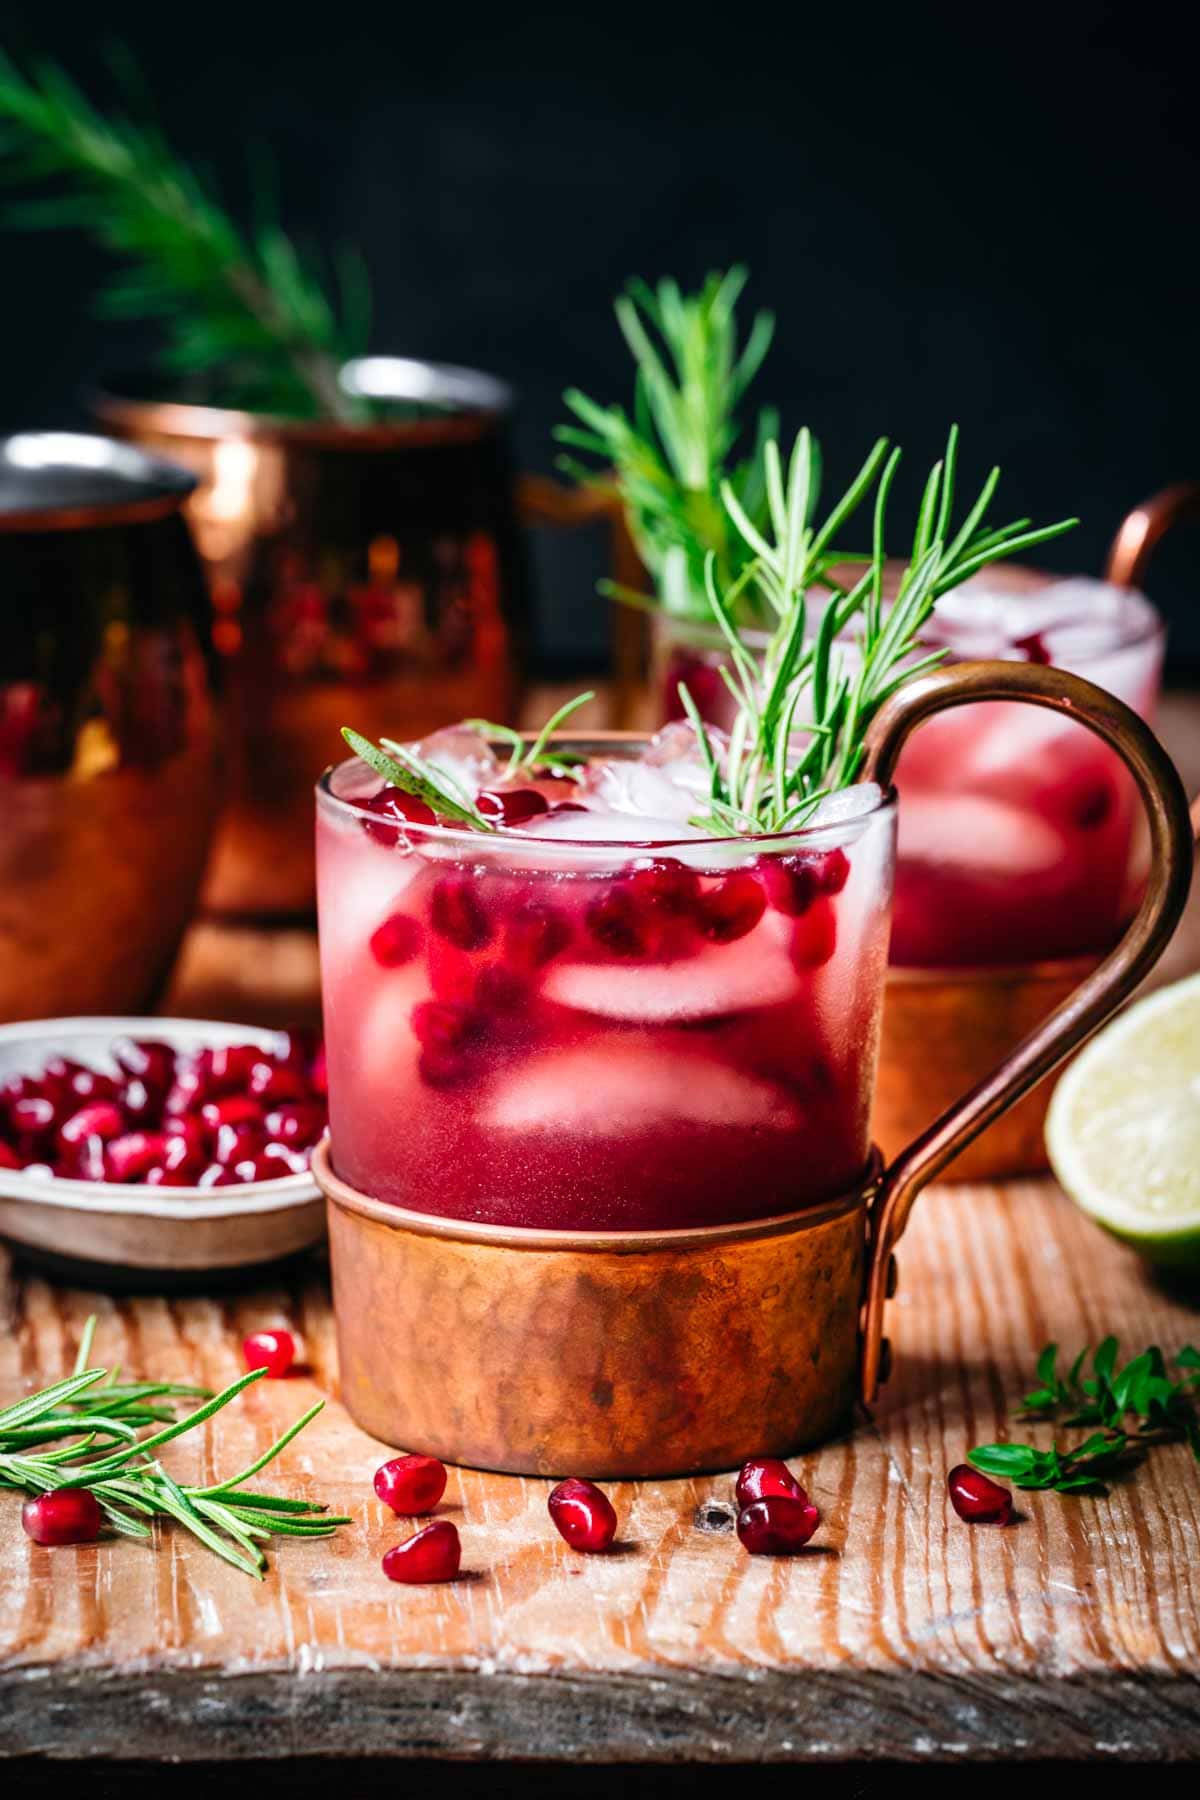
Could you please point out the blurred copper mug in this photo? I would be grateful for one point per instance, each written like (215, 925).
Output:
(108, 744)
(367, 575)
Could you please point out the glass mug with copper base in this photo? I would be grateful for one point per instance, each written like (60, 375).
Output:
(602, 1197)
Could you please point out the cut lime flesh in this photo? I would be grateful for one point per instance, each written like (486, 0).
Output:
(1123, 1130)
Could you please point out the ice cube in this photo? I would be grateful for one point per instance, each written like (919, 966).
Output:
(610, 828)
(847, 803)
(728, 978)
(976, 833)
(677, 748)
(629, 1084)
(463, 753)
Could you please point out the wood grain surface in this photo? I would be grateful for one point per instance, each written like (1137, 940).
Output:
(900, 1633)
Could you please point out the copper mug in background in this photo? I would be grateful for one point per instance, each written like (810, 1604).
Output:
(108, 743)
(367, 574)
(606, 1353)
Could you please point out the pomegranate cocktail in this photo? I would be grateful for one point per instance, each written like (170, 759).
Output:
(597, 1015)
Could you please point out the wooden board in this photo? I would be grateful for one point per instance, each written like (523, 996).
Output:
(901, 1633)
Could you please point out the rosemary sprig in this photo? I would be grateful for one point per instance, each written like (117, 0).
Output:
(672, 456)
(102, 1418)
(801, 716)
(401, 765)
(526, 759)
(250, 307)
(1162, 1409)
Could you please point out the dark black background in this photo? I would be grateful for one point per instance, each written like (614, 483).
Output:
(985, 213)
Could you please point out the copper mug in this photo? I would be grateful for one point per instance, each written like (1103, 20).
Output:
(661, 1353)
(368, 573)
(108, 740)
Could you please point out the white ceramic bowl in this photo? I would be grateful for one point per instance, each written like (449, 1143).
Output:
(122, 1225)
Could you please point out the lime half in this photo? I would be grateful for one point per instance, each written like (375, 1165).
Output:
(1123, 1131)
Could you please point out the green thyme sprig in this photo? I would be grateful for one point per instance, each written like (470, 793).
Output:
(1134, 1406)
(672, 456)
(250, 307)
(802, 716)
(101, 1420)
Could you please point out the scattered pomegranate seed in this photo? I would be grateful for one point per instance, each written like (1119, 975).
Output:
(434, 1554)
(457, 914)
(1034, 647)
(776, 1525)
(66, 1516)
(583, 1515)
(274, 1351)
(396, 941)
(394, 809)
(510, 806)
(976, 1499)
(731, 908)
(764, 1476)
(411, 1484)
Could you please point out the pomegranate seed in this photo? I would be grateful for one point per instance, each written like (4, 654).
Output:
(976, 1499)
(271, 1164)
(66, 1516)
(397, 941)
(103, 1120)
(274, 1082)
(32, 1118)
(90, 1084)
(184, 1136)
(274, 1351)
(458, 915)
(776, 1525)
(443, 1025)
(666, 885)
(234, 1142)
(1034, 647)
(318, 1072)
(146, 1061)
(535, 934)
(433, 1554)
(228, 1069)
(764, 1476)
(297, 1125)
(232, 1109)
(561, 806)
(8, 1158)
(394, 809)
(794, 882)
(621, 924)
(731, 908)
(186, 1172)
(139, 1105)
(411, 1484)
(132, 1156)
(510, 806)
(583, 1515)
(814, 939)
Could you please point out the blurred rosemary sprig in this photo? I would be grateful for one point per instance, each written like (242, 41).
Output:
(248, 308)
(802, 715)
(101, 1418)
(672, 457)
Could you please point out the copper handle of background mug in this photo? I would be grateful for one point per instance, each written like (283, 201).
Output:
(1145, 527)
(1096, 996)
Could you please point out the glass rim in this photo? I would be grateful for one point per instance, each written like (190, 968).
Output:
(459, 834)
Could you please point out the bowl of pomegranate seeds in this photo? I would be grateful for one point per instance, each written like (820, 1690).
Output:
(159, 1144)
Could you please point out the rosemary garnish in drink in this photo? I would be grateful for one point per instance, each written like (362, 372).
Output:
(1134, 1407)
(84, 1432)
(672, 457)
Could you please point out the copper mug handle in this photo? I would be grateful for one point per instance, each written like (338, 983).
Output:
(1097, 995)
(1145, 527)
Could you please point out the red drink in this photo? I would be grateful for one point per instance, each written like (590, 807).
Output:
(600, 1018)
(1016, 837)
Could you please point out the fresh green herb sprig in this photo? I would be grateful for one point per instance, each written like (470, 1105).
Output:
(527, 757)
(100, 1420)
(671, 458)
(250, 308)
(800, 683)
(1134, 1406)
(404, 768)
